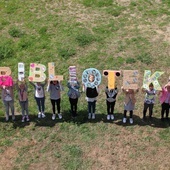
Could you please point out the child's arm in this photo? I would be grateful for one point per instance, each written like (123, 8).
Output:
(61, 87)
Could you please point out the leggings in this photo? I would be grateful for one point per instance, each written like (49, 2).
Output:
(146, 106)
(131, 113)
(110, 107)
(73, 105)
(91, 107)
(9, 104)
(165, 108)
(24, 107)
(53, 102)
(40, 103)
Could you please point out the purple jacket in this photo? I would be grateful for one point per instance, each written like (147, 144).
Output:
(164, 95)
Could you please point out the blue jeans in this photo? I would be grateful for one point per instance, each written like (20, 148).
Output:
(91, 107)
(40, 103)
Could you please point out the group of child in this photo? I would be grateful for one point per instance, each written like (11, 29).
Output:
(55, 87)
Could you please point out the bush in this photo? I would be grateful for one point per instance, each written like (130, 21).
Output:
(85, 39)
(15, 32)
(66, 52)
(130, 60)
(145, 58)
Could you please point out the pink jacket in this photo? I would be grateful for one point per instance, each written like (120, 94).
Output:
(164, 95)
(6, 81)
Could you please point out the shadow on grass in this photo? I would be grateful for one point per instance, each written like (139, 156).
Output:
(83, 118)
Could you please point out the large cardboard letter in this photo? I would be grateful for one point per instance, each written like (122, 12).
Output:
(51, 72)
(130, 79)
(5, 78)
(72, 74)
(87, 75)
(36, 73)
(111, 76)
(21, 71)
(152, 79)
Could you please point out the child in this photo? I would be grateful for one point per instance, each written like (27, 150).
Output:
(110, 101)
(129, 103)
(23, 100)
(39, 95)
(165, 100)
(8, 100)
(91, 97)
(149, 100)
(73, 95)
(54, 87)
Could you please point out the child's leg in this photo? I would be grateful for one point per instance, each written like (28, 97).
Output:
(108, 107)
(131, 114)
(163, 105)
(11, 105)
(75, 106)
(145, 108)
(125, 113)
(94, 106)
(89, 107)
(38, 103)
(150, 110)
(58, 105)
(42, 105)
(112, 107)
(22, 107)
(71, 104)
(26, 107)
(167, 110)
(53, 105)
(6, 109)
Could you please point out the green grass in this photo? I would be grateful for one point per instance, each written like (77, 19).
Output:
(106, 34)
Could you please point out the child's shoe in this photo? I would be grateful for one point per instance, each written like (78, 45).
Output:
(131, 120)
(7, 118)
(27, 118)
(112, 117)
(59, 116)
(93, 116)
(13, 117)
(42, 115)
(23, 119)
(108, 117)
(124, 120)
(89, 116)
(39, 115)
(53, 117)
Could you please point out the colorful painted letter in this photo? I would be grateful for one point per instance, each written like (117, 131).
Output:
(36, 73)
(111, 76)
(5, 78)
(91, 82)
(130, 79)
(72, 74)
(51, 72)
(21, 71)
(152, 79)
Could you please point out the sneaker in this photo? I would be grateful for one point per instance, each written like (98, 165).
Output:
(59, 116)
(39, 115)
(89, 116)
(23, 119)
(124, 120)
(53, 117)
(7, 118)
(13, 117)
(112, 117)
(93, 116)
(131, 120)
(108, 117)
(27, 118)
(42, 115)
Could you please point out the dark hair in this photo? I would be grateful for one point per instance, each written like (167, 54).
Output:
(151, 85)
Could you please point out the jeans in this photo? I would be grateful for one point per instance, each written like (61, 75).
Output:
(40, 103)
(91, 107)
